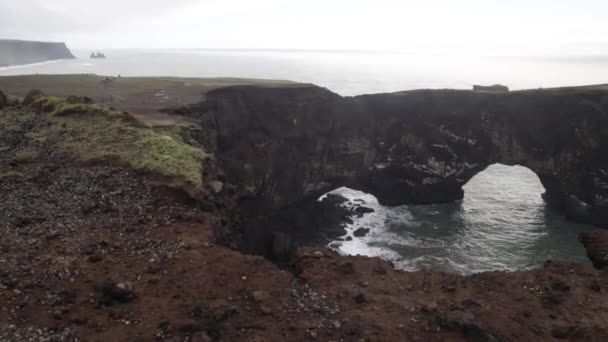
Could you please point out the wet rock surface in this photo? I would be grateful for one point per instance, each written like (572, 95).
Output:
(361, 232)
(276, 236)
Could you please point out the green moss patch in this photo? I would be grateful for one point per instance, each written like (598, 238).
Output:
(11, 176)
(91, 133)
(26, 155)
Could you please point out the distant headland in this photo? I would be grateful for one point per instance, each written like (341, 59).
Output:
(19, 52)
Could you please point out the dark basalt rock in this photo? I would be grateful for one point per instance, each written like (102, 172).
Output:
(277, 234)
(110, 292)
(286, 146)
(361, 232)
(363, 210)
(3, 100)
(596, 244)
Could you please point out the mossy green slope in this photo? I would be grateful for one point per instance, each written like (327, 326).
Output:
(86, 132)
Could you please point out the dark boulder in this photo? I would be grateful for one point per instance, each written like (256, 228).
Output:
(596, 244)
(361, 232)
(363, 210)
(360, 298)
(3, 100)
(110, 292)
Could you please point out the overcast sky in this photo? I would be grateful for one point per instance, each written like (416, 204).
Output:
(306, 24)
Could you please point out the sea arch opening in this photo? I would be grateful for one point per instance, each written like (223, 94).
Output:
(502, 223)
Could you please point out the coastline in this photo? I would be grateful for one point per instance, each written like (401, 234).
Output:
(20, 66)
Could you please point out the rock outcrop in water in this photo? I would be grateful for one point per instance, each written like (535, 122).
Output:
(284, 146)
(18, 52)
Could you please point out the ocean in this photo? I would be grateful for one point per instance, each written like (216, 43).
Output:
(501, 224)
(345, 72)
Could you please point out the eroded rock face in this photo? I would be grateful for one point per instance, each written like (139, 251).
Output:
(283, 146)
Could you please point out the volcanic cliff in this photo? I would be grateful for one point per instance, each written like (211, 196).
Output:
(285, 147)
(17, 52)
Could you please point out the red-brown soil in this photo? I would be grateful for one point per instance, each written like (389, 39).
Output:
(187, 288)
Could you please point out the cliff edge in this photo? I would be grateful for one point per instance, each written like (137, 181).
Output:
(18, 52)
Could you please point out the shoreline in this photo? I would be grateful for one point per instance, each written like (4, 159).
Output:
(19, 66)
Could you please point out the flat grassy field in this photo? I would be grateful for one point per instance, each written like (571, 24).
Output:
(141, 96)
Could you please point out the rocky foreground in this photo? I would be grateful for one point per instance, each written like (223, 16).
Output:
(108, 236)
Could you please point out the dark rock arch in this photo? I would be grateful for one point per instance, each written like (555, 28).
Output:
(283, 147)
(286, 145)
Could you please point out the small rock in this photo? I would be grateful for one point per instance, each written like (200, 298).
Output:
(360, 298)
(363, 210)
(110, 292)
(260, 296)
(216, 186)
(318, 254)
(361, 232)
(97, 257)
(153, 268)
(266, 310)
(432, 307)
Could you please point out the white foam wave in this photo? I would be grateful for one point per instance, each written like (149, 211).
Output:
(501, 225)
(24, 66)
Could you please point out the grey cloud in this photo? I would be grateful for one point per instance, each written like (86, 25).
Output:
(31, 18)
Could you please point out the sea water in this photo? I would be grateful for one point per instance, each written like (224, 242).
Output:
(501, 224)
(345, 72)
